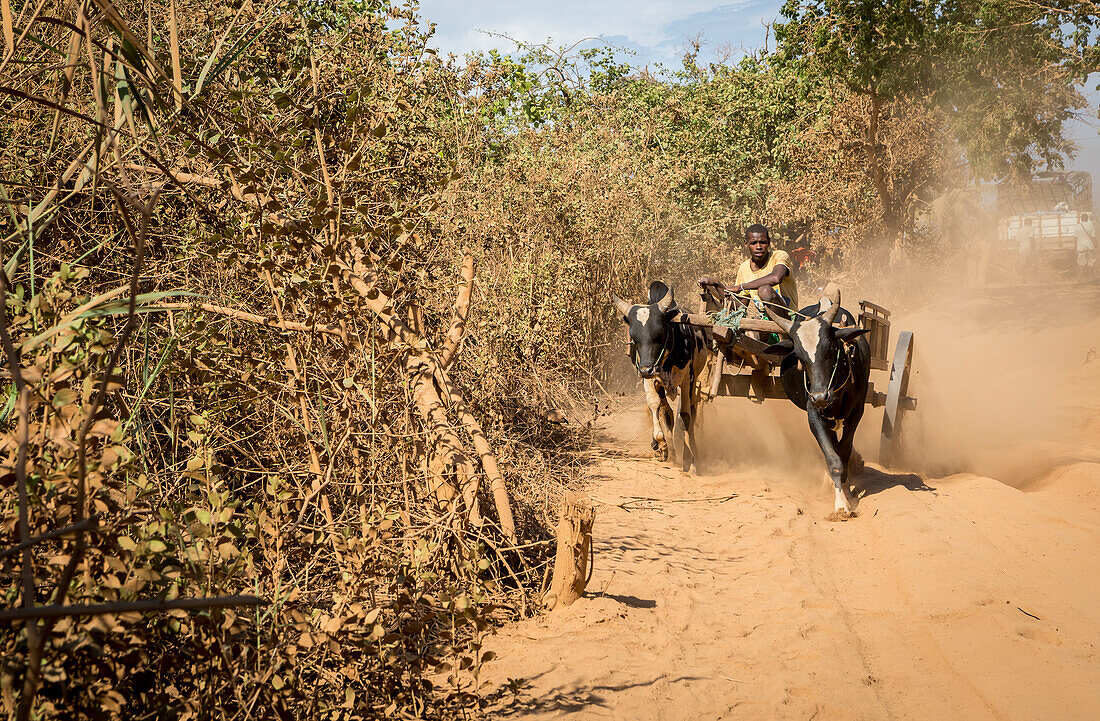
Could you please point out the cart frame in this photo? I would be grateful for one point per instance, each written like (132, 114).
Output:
(757, 375)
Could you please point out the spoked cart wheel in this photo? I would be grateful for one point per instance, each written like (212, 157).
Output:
(897, 400)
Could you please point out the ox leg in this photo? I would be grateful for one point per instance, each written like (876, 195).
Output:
(662, 426)
(837, 468)
(670, 412)
(667, 420)
(844, 448)
(688, 411)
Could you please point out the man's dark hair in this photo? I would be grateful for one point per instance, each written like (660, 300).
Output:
(756, 228)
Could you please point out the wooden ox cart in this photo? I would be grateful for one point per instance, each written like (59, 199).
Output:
(740, 367)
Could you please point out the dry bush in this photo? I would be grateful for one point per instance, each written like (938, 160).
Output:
(570, 213)
(275, 419)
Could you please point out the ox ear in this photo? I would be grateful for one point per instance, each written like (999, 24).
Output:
(662, 295)
(657, 290)
(621, 305)
(781, 348)
(849, 335)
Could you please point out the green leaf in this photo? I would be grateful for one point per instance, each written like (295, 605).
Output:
(231, 56)
(63, 397)
(122, 305)
(13, 396)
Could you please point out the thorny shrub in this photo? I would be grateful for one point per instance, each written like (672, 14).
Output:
(263, 432)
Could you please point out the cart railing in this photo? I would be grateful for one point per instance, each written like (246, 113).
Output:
(876, 320)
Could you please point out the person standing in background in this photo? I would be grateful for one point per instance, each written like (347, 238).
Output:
(1086, 248)
(1026, 263)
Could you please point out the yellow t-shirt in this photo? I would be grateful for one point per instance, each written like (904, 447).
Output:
(786, 287)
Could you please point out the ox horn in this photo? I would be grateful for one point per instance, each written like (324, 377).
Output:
(779, 320)
(666, 301)
(621, 305)
(832, 297)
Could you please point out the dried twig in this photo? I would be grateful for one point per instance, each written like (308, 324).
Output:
(153, 604)
(258, 319)
(85, 525)
(462, 309)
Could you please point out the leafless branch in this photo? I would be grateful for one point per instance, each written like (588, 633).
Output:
(86, 524)
(95, 609)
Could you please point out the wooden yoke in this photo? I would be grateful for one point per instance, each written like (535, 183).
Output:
(704, 321)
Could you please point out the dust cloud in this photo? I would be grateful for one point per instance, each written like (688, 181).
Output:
(1008, 381)
(1006, 376)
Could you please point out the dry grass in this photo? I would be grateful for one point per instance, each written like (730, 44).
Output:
(273, 416)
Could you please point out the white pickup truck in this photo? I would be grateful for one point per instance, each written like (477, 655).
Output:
(1055, 237)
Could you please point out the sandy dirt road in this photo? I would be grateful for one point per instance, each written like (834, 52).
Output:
(953, 595)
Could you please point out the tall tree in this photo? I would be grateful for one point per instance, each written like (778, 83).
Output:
(997, 77)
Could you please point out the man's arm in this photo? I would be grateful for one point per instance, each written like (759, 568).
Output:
(774, 278)
(708, 280)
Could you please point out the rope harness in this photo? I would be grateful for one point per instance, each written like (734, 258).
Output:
(660, 356)
(730, 318)
(839, 352)
(761, 303)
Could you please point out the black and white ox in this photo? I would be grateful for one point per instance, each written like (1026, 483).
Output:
(669, 357)
(825, 371)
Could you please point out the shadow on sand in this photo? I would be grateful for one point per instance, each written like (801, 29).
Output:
(631, 601)
(874, 480)
(568, 700)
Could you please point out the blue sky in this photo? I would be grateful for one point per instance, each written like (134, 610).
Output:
(655, 30)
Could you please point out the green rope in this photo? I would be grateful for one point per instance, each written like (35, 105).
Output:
(730, 319)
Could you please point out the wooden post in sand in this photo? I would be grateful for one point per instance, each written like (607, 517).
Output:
(574, 547)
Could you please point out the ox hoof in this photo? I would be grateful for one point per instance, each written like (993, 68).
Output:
(654, 444)
(842, 506)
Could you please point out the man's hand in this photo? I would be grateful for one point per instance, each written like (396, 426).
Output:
(709, 280)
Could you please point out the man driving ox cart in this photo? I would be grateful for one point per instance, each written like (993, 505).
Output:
(766, 277)
(819, 357)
